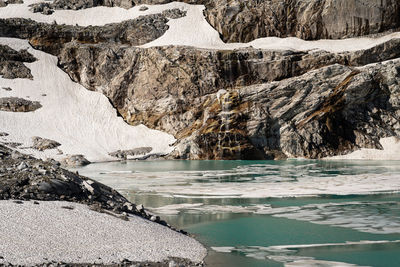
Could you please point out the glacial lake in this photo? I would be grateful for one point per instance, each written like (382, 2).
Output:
(272, 213)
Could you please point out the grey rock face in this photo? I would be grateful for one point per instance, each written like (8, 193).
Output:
(52, 37)
(11, 63)
(330, 111)
(43, 143)
(16, 104)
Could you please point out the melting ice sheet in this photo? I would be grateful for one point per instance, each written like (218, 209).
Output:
(243, 180)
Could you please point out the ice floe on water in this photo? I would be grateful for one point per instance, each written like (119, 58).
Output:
(288, 179)
(368, 216)
(377, 217)
(186, 185)
(82, 121)
(293, 255)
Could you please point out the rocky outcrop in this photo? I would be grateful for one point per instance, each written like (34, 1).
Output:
(52, 37)
(246, 103)
(169, 89)
(43, 143)
(11, 63)
(124, 154)
(16, 104)
(244, 21)
(75, 161)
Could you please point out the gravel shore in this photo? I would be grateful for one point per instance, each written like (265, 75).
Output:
(37, 232)
(54, 217)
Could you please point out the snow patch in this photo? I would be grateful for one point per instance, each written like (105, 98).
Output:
(84, 122)
(95, 16)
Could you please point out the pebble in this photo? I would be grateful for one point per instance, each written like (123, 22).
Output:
(22, 166)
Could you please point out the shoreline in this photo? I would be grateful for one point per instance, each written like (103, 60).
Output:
(37, 196)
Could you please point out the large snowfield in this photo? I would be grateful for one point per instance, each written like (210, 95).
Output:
(84, 122)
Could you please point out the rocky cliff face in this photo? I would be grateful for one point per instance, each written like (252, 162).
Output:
(244, 21)
(246, 103)
(202, 96)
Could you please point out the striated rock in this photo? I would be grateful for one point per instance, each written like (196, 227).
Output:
(156, 86)
(43, 143)
(75, 161)
(244, 21)
(329, 111)
(16, 104)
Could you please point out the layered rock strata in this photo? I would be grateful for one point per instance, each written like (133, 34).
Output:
(244, 21)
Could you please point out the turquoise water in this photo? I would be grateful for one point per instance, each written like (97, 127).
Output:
(272, 213)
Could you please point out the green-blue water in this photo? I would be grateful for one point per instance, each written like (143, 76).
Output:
(272, 213)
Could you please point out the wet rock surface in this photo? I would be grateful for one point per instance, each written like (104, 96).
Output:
(11, 63)
(16, 104)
